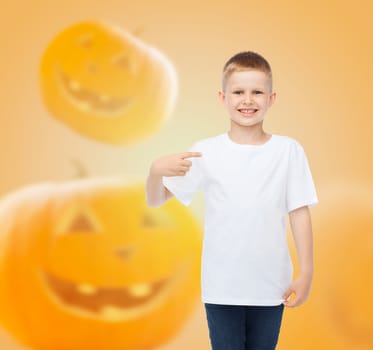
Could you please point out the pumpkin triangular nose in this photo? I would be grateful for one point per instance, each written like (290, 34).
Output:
(123, 252)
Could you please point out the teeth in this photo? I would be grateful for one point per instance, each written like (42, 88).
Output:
(137, 290)
(140, 290)
(86, 289)
(111, 312)
(84, 106)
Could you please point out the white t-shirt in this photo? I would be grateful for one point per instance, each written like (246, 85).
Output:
(249, 189)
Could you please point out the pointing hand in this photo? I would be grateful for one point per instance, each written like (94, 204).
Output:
(174, 164)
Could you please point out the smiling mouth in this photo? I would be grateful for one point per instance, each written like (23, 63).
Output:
(247, 112)
(111, 303)
(89, 101)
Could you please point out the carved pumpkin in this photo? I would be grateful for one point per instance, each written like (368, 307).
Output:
(339, 312)
(88, 265)
(107, 84)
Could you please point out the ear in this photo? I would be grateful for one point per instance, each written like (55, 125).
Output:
(272, 98)
(221, 96)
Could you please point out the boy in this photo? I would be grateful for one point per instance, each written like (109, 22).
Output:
(251, 181)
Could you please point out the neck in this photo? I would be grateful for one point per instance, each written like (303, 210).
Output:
(248, 135)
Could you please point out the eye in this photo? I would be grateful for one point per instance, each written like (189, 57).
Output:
(157, 218)
(258, 92)
(122, 60)
(82, 223)
(237, 92)
(77, 220)
(85, 40)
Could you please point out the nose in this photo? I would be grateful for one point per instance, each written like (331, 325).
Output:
(247, 98)
(91, 67)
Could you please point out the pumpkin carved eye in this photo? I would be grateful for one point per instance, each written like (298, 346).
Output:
(79, 220)
(148, 220)
(81, 223)
(157, 218)
(122, 60)
(125, 62)
(85, 40)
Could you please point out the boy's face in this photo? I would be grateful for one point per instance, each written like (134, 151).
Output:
(247, 97)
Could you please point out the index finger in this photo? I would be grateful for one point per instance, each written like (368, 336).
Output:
(191, 154)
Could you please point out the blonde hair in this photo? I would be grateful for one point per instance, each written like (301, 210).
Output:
(246, 60)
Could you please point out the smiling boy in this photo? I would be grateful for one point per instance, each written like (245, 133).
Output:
(251, 180)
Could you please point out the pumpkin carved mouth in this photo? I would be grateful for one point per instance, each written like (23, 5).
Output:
(89, 101)
(112, 303)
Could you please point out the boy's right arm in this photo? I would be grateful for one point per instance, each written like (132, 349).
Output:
(171, 165)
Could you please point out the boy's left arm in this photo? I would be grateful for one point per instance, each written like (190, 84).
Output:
(301, 227)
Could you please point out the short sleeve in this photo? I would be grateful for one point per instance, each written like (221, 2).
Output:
(300, 190)
(185, 187)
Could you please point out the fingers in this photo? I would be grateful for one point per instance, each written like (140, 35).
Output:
(289, 303)
(298, 299)
(191, 154)
(183, 171)
(288, 292)
(184, 165)
(294, 303)
(287, 295)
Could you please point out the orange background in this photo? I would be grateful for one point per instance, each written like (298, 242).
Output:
(320, 53)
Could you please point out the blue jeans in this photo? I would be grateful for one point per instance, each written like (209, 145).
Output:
(243, 327)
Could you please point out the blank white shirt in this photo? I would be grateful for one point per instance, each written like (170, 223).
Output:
(249, 189)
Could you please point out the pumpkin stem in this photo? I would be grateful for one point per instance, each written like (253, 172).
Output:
(80, 169)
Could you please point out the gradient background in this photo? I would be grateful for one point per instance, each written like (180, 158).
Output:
(320, 53)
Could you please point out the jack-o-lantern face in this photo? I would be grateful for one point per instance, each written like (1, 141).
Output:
(106, 84)
(338, 314)
(88, 265)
